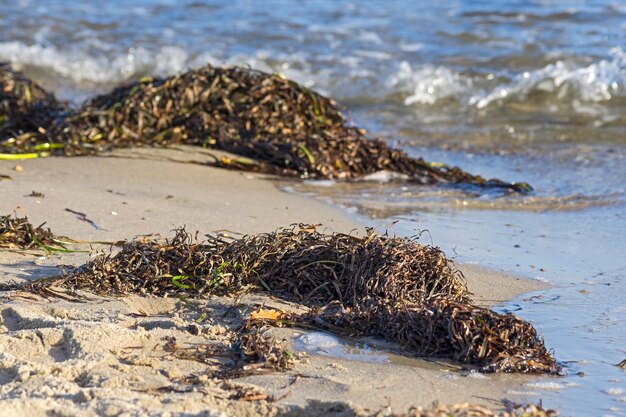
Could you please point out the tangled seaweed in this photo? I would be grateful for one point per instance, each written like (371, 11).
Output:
(25, 109)
(254, 350)
(19, 233)
(282, 126)
(376, 285)
(472, 410)
(459, 331)
(257, 347)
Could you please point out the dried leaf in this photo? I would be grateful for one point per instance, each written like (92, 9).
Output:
(267, 314)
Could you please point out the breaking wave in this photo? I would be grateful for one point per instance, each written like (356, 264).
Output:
(561, 82)
(598, 82)
(82, 67)
(428, 84)
(92, 71)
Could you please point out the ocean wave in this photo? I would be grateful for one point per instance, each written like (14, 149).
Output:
(82, 67)
(562, 82)
(598, 82)
(428, 84)
(88, 69)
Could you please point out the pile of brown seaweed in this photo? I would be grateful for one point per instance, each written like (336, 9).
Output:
(25, 109)
(19, 233)
(472, 410)
(389, 287)
(283, 127)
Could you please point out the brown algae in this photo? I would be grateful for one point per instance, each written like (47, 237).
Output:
(26, 109)
(388, 287)
(18, 233)
(472, 410)
(283, 127)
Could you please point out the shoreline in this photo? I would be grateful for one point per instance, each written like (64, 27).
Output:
(154, 194)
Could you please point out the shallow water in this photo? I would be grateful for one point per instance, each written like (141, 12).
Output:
(325, 344)
(371, 350)
(569, 233)
(523, 90)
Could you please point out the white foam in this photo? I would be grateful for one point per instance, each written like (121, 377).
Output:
(321, 183)
(384, 176)
(82, 67)
(94, 61)
(522, 393)
(566, 82)
(99, 64)
(477, 375)
(324, 344)
(541, 278)
(318, 341)
(428, 84)
(597, 82)
(550, 386)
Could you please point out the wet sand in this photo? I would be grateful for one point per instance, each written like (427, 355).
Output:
(107, 356)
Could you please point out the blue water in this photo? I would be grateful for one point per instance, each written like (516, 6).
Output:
(523, 90)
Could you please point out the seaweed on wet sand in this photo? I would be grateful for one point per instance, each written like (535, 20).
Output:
(260, 351)
(376, 285)
(282, 126)
(459, 331)
(18, 233)
(472, 410)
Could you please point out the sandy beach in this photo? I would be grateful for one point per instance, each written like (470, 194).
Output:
(104, 356)
(444, 179)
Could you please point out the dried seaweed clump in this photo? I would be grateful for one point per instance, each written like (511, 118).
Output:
(147, 266)
(443, 328)
(388, 287)
(284, 127)
(314, 268)
(19, 233)
(375, 285)
(26, 109)
(471, 410)
(507, 409)
(258, 347)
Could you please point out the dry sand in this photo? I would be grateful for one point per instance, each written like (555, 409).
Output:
(107, 356)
